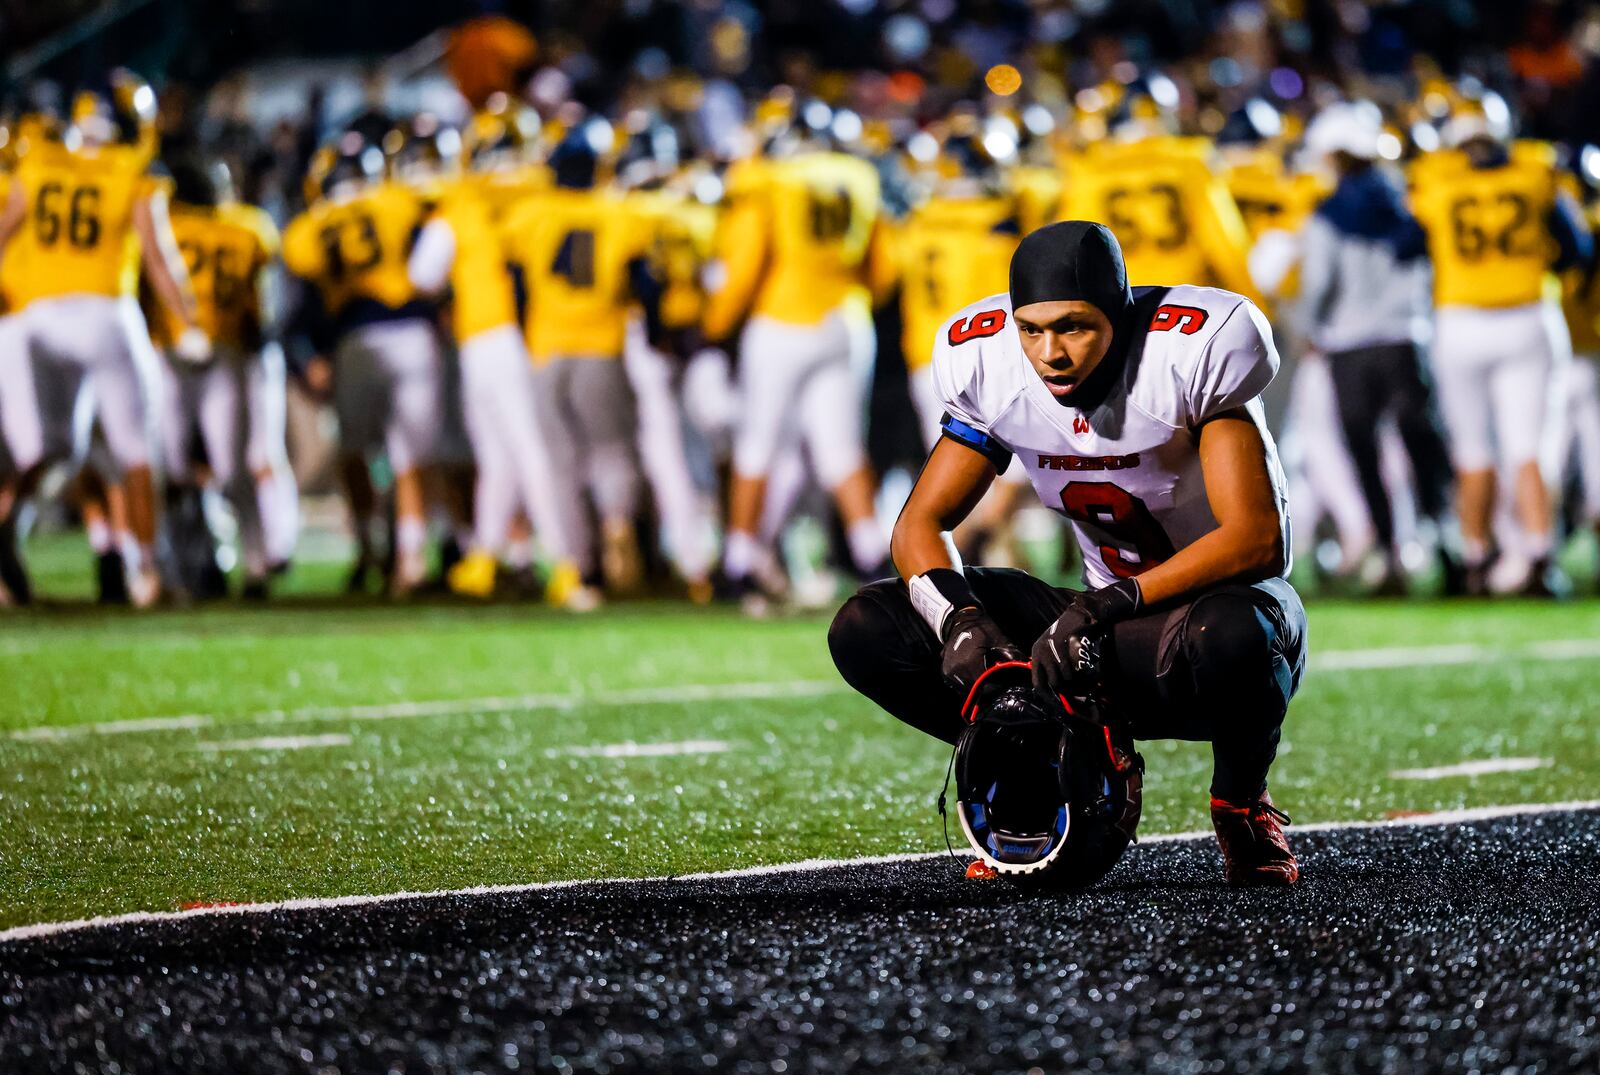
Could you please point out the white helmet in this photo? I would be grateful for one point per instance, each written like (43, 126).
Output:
(1481, 115)
(1353, 128)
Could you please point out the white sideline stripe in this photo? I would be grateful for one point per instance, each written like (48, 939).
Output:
(675, 695)
(315, 903)
(1567, 649)
(1472, 768)
(279, 742)
(141, 724)
(1332, 661)
(642, 750)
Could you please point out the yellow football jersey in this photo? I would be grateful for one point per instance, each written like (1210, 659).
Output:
(681, 234)
(11, 265)
(1039, 191)
(78, 236)
(799, 238)
(574, 249)
(950, 252)
(1176, 221)
(226, 250)
(1269, 197)
(355, 251)
(1487, 230)
(1580, 300)
(480, 286)
(501, 190)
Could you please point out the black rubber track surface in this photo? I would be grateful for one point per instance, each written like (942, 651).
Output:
(1437, 948)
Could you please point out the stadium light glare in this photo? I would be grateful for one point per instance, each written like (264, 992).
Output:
(1003, 80)
(1589, 161)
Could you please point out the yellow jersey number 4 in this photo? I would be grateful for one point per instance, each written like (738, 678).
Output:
(73, 216)
(574, 260)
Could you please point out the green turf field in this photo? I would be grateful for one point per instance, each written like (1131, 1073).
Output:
(306, 750)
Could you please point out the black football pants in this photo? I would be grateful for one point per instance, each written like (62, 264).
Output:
(1368, 383)
(1220, 668)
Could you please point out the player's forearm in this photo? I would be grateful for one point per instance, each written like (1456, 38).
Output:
(918, 546)
(11, 217)
(1243, 553)
(159, 257)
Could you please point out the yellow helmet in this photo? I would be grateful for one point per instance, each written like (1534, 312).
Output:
(501, 135)
(122, 113)
(421, 150)
(349, 162)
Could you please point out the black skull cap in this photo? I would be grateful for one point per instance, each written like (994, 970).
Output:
(1072, 261)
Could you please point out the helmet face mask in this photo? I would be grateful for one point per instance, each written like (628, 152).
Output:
(1046, 798)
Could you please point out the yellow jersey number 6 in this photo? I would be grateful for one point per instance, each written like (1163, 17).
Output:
(80, 222)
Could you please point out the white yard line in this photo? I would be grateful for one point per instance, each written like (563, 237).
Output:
(643, 750)
(679, 694)
(278, 742)
(1402, 657)
(1576, 649)
(48, 929)
(1472, 768)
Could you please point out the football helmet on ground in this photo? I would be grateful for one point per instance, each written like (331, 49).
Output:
(1047, 794)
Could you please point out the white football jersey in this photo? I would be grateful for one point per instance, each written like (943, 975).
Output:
(1124, 471)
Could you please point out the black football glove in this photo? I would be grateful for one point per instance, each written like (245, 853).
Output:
(1070, 657)
(973, 644)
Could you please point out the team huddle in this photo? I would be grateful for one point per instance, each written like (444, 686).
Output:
(607, 349)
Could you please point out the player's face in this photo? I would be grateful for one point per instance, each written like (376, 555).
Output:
(1064, 341)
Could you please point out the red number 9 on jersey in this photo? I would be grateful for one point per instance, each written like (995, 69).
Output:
(1119, 515)
(1186, 319)
(977, 326)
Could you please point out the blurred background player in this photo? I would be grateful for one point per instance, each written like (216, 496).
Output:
(79, 214)
(1498, 227)
(954, 248)
(662, 336)
(1159, 193)
(800, 244)
(1581, 456)
(1363, 303)
(228, 249)
(352, 245)
(458, 254)
(583, 260)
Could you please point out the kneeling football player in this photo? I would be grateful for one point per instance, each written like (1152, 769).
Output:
(1136, 414)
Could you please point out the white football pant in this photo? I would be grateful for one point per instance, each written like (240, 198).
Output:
(1583, 401)
(83, 356)
(277, 493)
(211, 402)
(1499, 371)
(514, 465)
(686, 512)
(802, 384)
(388, 391)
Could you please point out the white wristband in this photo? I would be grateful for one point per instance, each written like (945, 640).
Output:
(930, 604)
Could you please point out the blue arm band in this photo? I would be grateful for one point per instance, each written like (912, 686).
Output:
(976, 439)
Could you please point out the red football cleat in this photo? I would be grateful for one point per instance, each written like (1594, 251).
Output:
(1254, 851)
(981, 871)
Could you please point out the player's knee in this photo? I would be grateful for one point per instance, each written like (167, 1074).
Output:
(1232, 652)
(861, 631)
